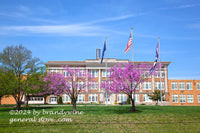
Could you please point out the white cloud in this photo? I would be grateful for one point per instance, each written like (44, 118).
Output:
(81, 29)
(66, 30)
(180, 7)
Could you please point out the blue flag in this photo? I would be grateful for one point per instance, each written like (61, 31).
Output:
(156, 59)
(104, 49)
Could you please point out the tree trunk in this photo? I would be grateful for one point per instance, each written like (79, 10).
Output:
(19, 105)
(45, 97)
(156, 102)
(74, 106)
(27, 97)
(133, 105)
(0, 99)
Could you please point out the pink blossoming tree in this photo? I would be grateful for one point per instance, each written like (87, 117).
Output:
(126, 78)
(77, 81)
(53, 83)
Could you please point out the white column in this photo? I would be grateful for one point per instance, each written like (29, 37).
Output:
(153, 82)
(99, 79)
(166, 86)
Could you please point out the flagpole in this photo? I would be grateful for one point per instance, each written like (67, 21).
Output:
(106, 69)
(160, 72)
(132, 43)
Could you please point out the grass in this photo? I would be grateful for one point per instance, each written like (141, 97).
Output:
(98, 119)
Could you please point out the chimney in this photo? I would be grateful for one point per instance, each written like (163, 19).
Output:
(98, 54)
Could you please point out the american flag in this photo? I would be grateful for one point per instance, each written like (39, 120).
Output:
(129, 44)
(156, 59)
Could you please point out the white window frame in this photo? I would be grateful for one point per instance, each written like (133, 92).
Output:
(174, 98)
(93, 98)
(146, 98)
(189, 85)
(66, 98)
(147, 86)
(94, 73)
(182, 98)
(174, 85)
(157, 75)
(104, 73)
(93, 85)
(190, 99)
(81, 98)
(137, 97)
(158, 86)
(80, 83)
(181, 85)
(198, 97)
(121, 98)
(198, 85)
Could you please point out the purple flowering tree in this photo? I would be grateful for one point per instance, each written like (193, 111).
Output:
(126, 78)
(53, 83)
(77, 80)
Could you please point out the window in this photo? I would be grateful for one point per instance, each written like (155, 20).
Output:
(189, 85)
(182, 98)
(66, 98)
(190, 98)
(174, 85)
(93, 98)
(198, 85)
(80, 85)
(198, 96)
(136, 97)
(147, 86)
(35, 99)
(181, 86)
(175, 98)
(81, 98)
(104, 73)
(158, 85)
(146, 98)
(146, 75)
(94, 73)
(157, 75)
(121, 98)
(134, 84)
(65, 73)
(93, 85)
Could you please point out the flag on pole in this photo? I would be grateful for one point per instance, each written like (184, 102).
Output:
(156, 59)
(104, 49)
(129, 44)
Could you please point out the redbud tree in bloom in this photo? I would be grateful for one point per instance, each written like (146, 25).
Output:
(77, 80)
(53, 83)
(125, 78)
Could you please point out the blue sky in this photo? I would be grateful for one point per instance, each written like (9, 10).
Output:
(66, 30)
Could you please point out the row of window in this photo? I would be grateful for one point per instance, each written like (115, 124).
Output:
(94, 98)
(182, 98)
(35, 99)
(81, 98)
(146, 85)
(182, 85)
(95, 73)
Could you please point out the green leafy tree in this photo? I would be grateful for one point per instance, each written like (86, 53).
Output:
(19, 61)
(7, 80)
(32, 85)
(156, 96)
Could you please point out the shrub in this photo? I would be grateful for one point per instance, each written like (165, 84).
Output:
(128, 101)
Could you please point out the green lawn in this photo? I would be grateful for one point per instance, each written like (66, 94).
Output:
(103, 119)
